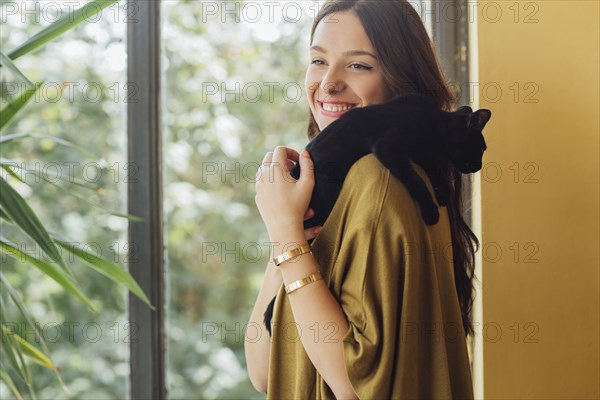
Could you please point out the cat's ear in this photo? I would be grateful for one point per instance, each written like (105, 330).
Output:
(464, 110)
(478, 119)
(463, 113)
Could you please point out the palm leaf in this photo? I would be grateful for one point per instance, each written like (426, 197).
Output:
(6, 62)
(22, 309)
(13, 107)
(23, 216)
(47, 268)
(109, 269)
(8, 165)
(30, 350)
(17, 136)
(11, 385)
(15, 357)
(14, 295)
(59, 27)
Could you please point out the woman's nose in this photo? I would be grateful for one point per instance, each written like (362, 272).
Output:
(330, 88)
(332, 82)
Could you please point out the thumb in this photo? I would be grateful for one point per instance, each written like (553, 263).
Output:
(306, 167)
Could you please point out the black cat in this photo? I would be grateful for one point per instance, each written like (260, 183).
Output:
(408, 127)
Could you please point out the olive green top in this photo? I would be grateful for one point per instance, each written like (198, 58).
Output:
(393, 277)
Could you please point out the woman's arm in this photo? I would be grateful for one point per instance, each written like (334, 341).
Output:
(317, 314)
(257, 345)
(282, 202)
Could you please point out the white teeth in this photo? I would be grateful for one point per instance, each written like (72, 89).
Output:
(336, 108)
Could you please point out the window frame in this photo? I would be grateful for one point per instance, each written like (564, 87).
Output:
(144, 156)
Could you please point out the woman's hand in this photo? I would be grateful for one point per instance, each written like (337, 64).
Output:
(282, 200)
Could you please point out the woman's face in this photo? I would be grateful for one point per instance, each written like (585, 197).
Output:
(344, 71)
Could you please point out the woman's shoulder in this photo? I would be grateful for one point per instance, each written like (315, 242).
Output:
(370, 185)
(367, 167)
(367, 180)
(365, 188)
(368, 177)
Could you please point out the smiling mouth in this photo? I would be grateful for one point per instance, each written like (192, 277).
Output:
(335, 108)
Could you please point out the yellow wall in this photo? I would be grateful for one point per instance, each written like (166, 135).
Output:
(546, 201)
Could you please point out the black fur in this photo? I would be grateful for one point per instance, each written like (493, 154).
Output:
(407, 128)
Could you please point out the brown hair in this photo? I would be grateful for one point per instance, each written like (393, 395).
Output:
(410, 65)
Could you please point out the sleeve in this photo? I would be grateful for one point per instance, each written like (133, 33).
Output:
(371, 296)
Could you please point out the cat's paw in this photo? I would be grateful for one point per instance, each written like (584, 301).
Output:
(442, 199)
(442, 195)
(431, 217)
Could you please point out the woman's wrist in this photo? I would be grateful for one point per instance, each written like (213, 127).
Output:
(284, 229)
(286, 235)
(283, 239)
(298, 267)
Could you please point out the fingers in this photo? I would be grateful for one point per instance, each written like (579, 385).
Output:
(308, 214)
(312, 233)
(306, 169)
(281, 154)
(273, 158)
(279, 158)
(267, 158)
(264, 166)
(291, 153)
(290, 164)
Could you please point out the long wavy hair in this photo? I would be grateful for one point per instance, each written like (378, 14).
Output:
(409, 64)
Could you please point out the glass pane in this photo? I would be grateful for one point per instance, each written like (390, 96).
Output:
(82, 100)
(234, 74)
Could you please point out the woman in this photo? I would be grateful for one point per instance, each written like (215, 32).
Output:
(380, 308)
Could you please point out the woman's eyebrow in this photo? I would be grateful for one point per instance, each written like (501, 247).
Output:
(346, 53)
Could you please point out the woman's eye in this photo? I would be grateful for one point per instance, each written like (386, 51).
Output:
(360, 66)
(317, 62)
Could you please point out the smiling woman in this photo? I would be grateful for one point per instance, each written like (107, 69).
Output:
(374, 307)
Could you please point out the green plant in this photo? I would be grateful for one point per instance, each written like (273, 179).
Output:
(24, 225)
